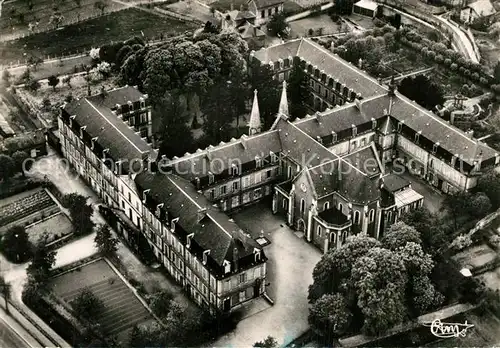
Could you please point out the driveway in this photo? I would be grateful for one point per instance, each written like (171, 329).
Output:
(289, 272)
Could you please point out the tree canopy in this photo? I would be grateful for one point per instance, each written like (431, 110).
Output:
(422, 90)
(15, 244)
(81, 213)
(86, 305)
(106, 243)
(41, 264)
(298, 92)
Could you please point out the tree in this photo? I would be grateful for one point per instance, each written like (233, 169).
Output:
(104, 240)
(41, 264)
(268, 342)
(175, 135)
(101, 6)
(489, 184)
(33, 85)
(422, 90)
(429, 227)
(6, 76)
(399, 234)
(219, 112)
(15, 245)
(161, 303)
(380, 282)
(277, 25)
(479, 205)
(212, 11)
(87, 305)
(6, 290)
(67, 80)
(330, 316)
(496, 72)
(56, 19)
(298, 92)
(457, 204)
(19, 158)
(80, 212)
(122, 55)
(333, 271)
(53, 81)
(7, 167)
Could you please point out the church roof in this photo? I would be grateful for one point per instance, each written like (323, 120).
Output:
(254, 122)
(266, 3)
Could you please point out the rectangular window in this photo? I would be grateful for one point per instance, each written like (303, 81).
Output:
(258, 177)
(235, 186)
(268, 174)
(243, 278)
(270, 12)
(263, 14)
(223, 190)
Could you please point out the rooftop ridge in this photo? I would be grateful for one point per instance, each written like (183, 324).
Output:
(345, 63)
(219, 147)
(116, 128)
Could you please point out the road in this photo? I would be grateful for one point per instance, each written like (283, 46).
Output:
(465, 46)
(12, 335)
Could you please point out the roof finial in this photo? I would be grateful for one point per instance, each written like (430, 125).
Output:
(254, 124)
(283, 109)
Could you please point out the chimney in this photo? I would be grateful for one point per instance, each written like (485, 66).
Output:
(232, 6)
(201, 214)
(236, 256)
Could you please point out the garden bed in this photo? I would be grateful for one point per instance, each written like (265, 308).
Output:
(55, 227)
(116, 26)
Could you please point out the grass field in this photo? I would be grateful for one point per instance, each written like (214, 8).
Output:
(116, 26)
(121, 308)
(16, 15)
(56, 226)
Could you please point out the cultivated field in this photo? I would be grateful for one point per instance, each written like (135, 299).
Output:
(121, 310)
(56, 226)
(116, 26)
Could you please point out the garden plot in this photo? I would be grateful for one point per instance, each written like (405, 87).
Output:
(54, 227)
(121, 308)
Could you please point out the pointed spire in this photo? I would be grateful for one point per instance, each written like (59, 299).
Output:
(283, 109)
(254, 125)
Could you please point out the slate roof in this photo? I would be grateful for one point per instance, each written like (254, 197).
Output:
(113, 134)
(244, 15)
(216, 232)
(315, 54)
(266, 3)
(333, 216)
(483, 8)
(219, 158)
(439, 131)
(394, 182)
(249, 30)
(387, 126)
(120, 96)
(343, 117)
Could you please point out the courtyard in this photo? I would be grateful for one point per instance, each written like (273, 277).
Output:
(121, 309)
(289, 273)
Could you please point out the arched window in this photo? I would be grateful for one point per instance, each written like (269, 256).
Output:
(326, 206)
(302, 205)
(344, 236)
(357, 217)
(332, 237)
(319, 231)
(289, 172)
(341, 207)
(389, 216)
(371, 215)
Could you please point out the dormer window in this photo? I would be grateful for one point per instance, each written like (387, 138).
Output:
(144, 193)
(143, 103)
(71, 118)
(354, 130)
(256, 253)
(400, 126)
(453, 160)
(417, 137)
(173, 223)
(188, 240)
(274, 158)
(130, 106)
(81, 131)
(234, 169)
(227, 266)
(374, 123)
(210, 178)
(197, 181)
(205, 256)
(435, 147)
(158, 210)
(258, 162)
(92, 143)
(334, 137)
(318, 138)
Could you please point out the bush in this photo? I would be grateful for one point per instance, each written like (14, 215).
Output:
(453, 66)
(461, 242)
(495, 240)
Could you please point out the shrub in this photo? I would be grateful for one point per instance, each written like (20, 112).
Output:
(495, 240)
(467, 72)
(475, 76)
(461, 242)
(439, 58)
(453, 66)
(447, 62)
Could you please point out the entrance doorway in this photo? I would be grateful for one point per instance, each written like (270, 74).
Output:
(256, 288)
(301, 226)
(227, 305)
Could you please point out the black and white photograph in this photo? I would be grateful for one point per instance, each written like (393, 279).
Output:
(249, 173)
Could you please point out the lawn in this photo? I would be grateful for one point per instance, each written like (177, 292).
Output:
(121, 309)
(56, 226)
(116, 26)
